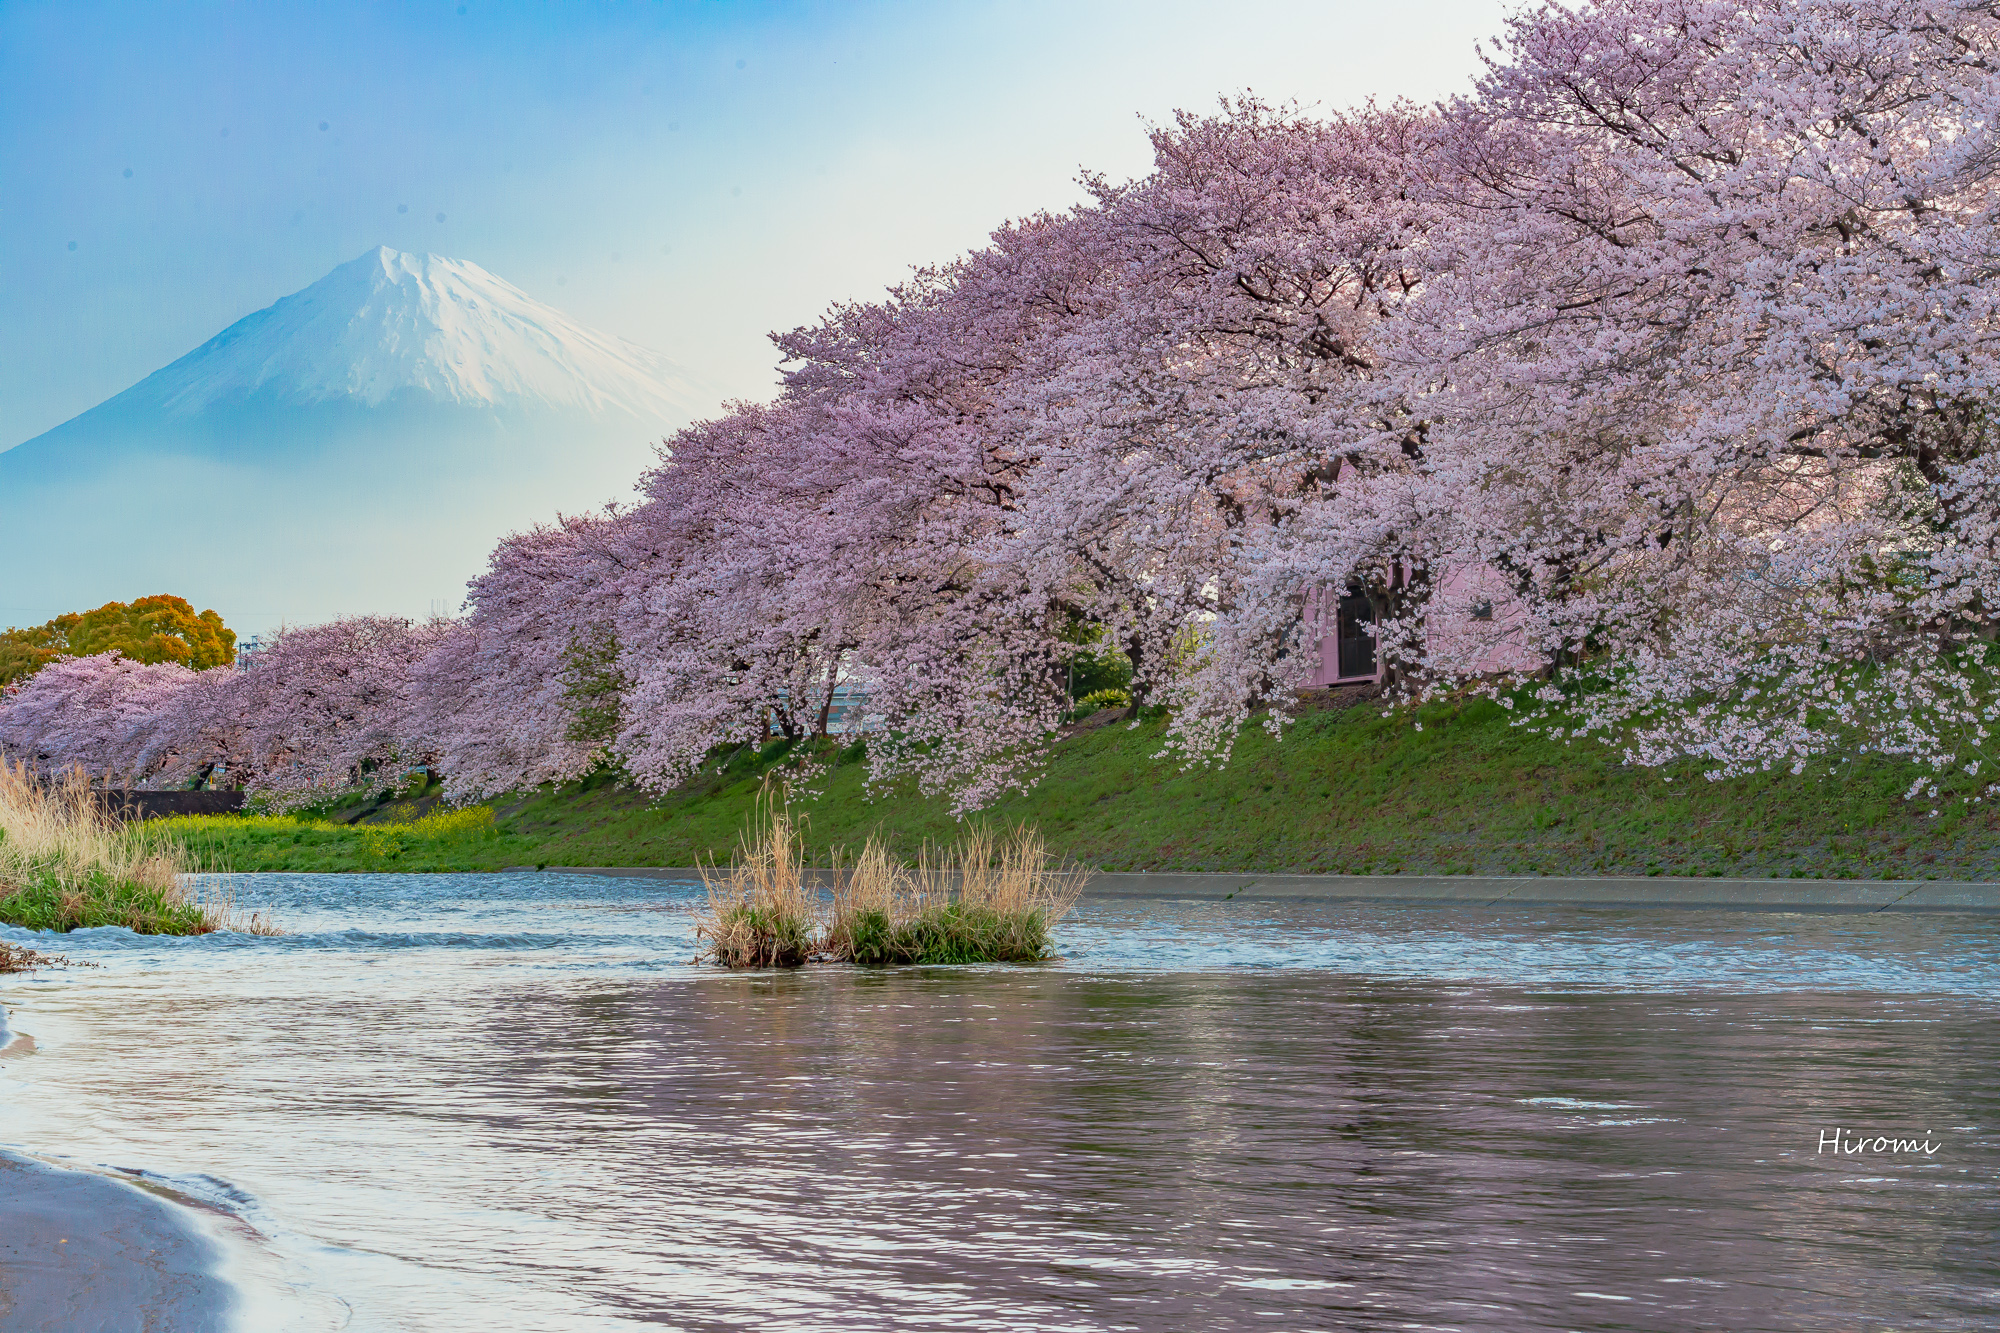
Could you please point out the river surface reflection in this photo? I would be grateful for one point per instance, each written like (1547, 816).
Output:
(469, 1102)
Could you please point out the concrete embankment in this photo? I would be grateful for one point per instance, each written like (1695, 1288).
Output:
(1778, 895)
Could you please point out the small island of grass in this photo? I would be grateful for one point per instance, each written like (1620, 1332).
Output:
(982, 900)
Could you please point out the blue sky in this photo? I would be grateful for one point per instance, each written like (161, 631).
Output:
(689, 176)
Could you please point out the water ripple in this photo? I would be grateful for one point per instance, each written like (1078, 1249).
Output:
(446, 1096)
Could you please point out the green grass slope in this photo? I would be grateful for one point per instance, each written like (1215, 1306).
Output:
(1348, 790)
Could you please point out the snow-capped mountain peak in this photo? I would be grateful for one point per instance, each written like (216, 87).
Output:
(391, 325)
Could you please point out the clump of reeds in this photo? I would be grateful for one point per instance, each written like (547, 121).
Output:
(65, 864)
(873, 901)
(987, 900)
(762, 912)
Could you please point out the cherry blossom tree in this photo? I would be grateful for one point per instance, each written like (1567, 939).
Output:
(194, 735)
(324, 709)
(724, 634)
(1220, 445)
(101, 713)
(503, 699)
(1654, 375)
(1706, 356)
(1139, 412)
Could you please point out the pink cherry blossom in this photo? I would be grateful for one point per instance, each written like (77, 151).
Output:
(1647, 384)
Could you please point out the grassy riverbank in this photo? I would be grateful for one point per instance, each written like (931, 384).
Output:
(412, 835)
(65, 866)
(1347, 791)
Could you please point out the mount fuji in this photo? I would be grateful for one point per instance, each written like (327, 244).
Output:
(356, 447)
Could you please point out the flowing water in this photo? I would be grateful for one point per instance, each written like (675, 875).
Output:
(473, 1102)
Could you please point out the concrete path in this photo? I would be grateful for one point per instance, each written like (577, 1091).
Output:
(1777, 895)
(1785, 895)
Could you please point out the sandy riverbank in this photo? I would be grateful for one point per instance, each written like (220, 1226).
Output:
(79, 1251)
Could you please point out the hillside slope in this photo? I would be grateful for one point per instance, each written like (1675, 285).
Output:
(1347, 791)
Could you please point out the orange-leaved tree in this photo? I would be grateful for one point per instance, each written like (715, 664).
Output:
(149, 629)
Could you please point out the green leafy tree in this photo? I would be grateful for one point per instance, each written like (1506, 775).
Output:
(150, 629)
(593, 686)
(23, 652)
(1098, 666)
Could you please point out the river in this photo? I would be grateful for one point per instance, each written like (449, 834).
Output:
(468, 1102)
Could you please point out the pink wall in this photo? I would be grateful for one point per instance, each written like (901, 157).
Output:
(1458, 640)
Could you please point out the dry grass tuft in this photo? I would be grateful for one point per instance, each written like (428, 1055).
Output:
(62, 829)
(987, 900)
(872, 900)
(1015, 874)
(761, 912)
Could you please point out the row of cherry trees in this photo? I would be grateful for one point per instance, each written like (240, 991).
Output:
(1678, 330)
